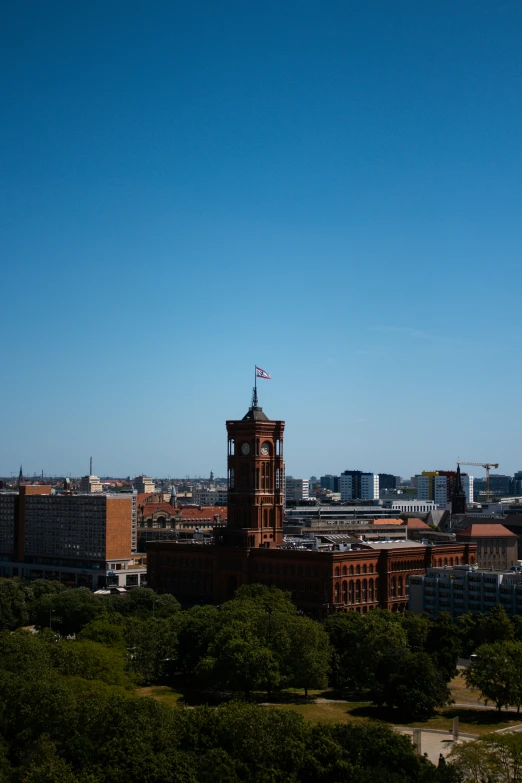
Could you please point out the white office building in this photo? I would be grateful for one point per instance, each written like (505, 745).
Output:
(370, 486)
(413, 506)
(356, 485)
(297, 489)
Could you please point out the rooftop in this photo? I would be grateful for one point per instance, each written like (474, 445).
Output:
(486, 531)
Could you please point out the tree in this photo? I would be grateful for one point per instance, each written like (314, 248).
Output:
(411, 683)
(144, 602)
(474, 762)
(44, 765)
(417, 627)
(444, 645)
(92, 661)
(14, 609)
(494, 627)
(104, 631)
(238, 662)
(497, 673)
(311, 653)
(360, 643)
(345, 632)
(152, 644)
(197, 629)
(69, 611)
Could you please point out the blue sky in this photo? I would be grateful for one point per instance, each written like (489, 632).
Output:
(330, 190)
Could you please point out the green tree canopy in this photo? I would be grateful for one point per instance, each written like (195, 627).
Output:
(497, 673)
(411, 683)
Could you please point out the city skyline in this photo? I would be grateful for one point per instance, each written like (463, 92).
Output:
(331, 193)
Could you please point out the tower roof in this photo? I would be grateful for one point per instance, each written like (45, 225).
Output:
(255, 413)
(458, 488)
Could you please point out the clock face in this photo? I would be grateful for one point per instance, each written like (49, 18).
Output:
(265, 449)
(245, 448)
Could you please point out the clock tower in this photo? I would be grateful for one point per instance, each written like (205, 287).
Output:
(256, 481)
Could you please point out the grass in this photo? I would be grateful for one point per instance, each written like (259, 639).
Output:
(161, 693)
(461, 692)
(471, 721)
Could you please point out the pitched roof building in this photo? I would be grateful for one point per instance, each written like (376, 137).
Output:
(497, 547)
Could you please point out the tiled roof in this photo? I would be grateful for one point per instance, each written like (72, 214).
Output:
(144, 497)
(204, 512)
(386, 521)
(414, 523)
(486, 531)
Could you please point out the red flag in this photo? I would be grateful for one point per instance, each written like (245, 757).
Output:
(262, 374)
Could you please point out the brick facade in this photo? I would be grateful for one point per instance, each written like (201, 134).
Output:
(250, 547)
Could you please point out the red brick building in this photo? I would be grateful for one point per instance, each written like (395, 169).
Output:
(80, 539)
(250, 547)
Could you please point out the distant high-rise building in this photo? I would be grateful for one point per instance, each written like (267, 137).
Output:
(296, 489)
(356, 485)
(330, 482)
(86, 539)
(143, 484)
(517, 483)
(90, 484)
(387, 481)
(439, 485)
(499, 485)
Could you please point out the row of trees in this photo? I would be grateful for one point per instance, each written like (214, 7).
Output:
(493, 757)
(68, 714)
(259, 641)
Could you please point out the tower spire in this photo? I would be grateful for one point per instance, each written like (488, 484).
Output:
(20, 476)
(458, 498)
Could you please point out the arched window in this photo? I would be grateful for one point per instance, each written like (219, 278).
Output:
(364, 568)
(350, 592)
(351, 570)
(336, 592)
(345, 592)
(451, 561)
(364, 590)
(370, 590)
(358, 569)
(399, 585)
(393, 587)
(371, 568)
(344, 570)
(337, 571)
(358, 591)
(445, 561)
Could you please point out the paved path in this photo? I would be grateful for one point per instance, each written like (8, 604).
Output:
(434, 741)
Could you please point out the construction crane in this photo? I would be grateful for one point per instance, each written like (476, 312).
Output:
(487, 466)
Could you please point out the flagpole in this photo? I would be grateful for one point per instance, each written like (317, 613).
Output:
(254, 399)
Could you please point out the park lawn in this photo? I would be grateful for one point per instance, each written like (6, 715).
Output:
(471, 721)
(461, 692)
(161, 693)
(332, 712)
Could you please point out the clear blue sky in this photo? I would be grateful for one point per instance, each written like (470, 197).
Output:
(331, 190)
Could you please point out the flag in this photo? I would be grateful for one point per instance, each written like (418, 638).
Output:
(262, 374)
